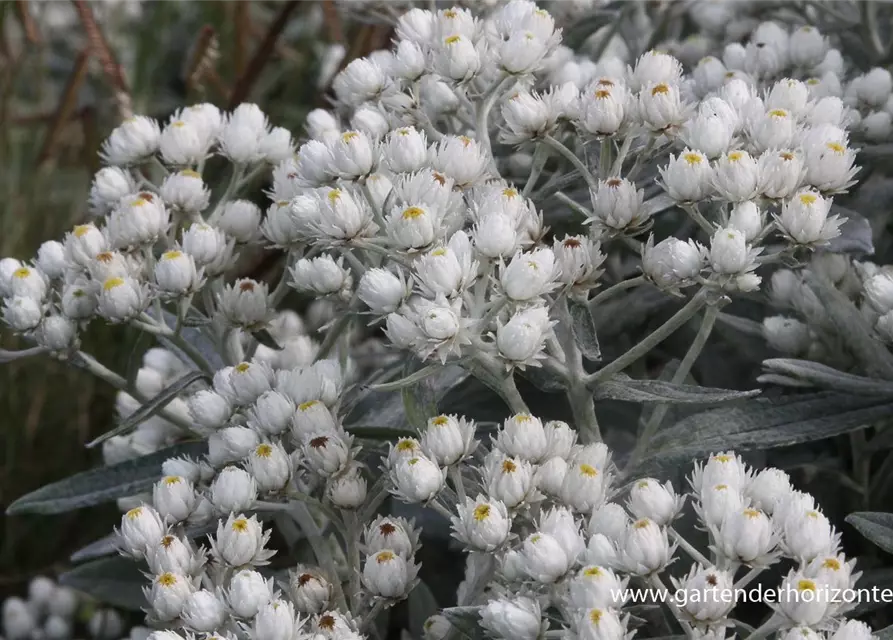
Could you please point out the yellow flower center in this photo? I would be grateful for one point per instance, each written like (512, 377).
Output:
(242, 367)
(240, 525)
(172, 480)
(751, 513)
(735, 156)
(135, 513)
(660, 89)
(384, 556)
(453, 39)
(481, 512)
(167, 541)
(807, 198)
(588, 470)
(595, 616)
(721, 487)
(439, 421)
(836, 147)
(411, 213)
(806, 585)
(508, 466)
(82, 229)
(171, 255)
(510, 193)
(334, 195)
(189, 173)
(406, 444)
(348, 136)
(178, 124)
(304, 406)
(723, 458)
(264, 450)
(21, 273)
(642, 524)
(111, 283)
(167, 579)
(601, 94)
(778, 113)
(693, 158)
(831, 563)
(593, 572)
(643, 484)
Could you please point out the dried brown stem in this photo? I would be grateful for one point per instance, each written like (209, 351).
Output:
(101, 49)
(32, 33)
(252, 72)
(66, 106)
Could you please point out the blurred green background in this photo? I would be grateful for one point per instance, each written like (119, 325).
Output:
(69, 72)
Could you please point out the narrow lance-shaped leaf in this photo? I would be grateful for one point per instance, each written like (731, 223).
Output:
(466, 620)
(103, 484)
(630, 390)
(876, 526)
(116, 581)
(823, 376)
(151, 407)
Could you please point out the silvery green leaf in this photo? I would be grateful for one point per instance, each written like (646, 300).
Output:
(826, 377)
(467, 620)
(761, 423)
(544, 379)
(105, 546)
(853, 329)
(630, 390)
(876, 581)
(408, 380)
(855, 233)
(621, 315)
(422, 605)
(102, 484)
(117, 581)
(382, 408)
(876, 526)
(264, 337)
(657, 204)
(884, 634)
(744, 325)
(151, 407)
(583, 326)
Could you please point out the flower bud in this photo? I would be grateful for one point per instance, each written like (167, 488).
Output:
(509, 480)
(310, 591)
(523, 436)
(245, 303)
(233, 490)
(617, 204)
(83, 243)
(661, 107)
(132, 141)
(645, 548)
(519, 618)
(209, 247)
(804, 219)
(448, 439)
(22, 313)
(203, 611)
(136, 220)
(801, 599)
(544, 558)
(240, 219)
(173, 555)
(176, 274)
(788, 335)
(781, 173)
(274, 621)
(110, 184)
(121, 299)
(209, 409)
(186, 191)
(706, 589)
(347, 489)
(650, 499)
(141, 529)
(326, 453)
(688, 176)
(529, 275)
(248, 592)
(387, 575)
(416, 479)
(231, 444)
(382, 290)
(322, 275)
(174, 498)
(596, 587)
(729, 252)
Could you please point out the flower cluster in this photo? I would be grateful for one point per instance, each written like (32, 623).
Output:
(52, 611)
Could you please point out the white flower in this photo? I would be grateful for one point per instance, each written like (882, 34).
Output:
(687, 177)
(730, 253)
(804, 219)
(527, 116)
(659, 502)
(244, 303)
(240, 219)
(347, 489)
(461, 159)
(416, 479)
(322, 275)
(706, 590)
(168, 595)
(584, 487)
(596, 587)
(409, 60)
(736, 177)
(807, 47)
(803, 600)
(852, 630)
(388, 575)
(522, 339)
(561, 524)
(354, 155)
(270, 466)
(448, 439)
(110, 184)
(604, 107)
(661, 107)
(529, 275)
(243, 134)
(391, 533)
(523, 436)
(482, 524)
(326, 453)
(309, 590)
(672, 262)
(185, 190)
(360, 81)
(311, 417)
(141, 529)
(182, 144)
(233, 490)
(746, 535)
(248, 592)
(230, 444)
(829, 166)
(176, 273)
(544, 558)
(57, 333)
(709, 133)
(274, 621)
(518, 618)
(747, 218)
(240, 541)
(22, 313)
(874, 87)
(203, 611)
(456, 58)
(172, 554)
(781, 173)
(645, 549)
(121, 298)
(342, 216)
(277, 145)
(82, 245)
(768, 488)
(806, 533)
(209, 246)
(653, 67)
(209, 409)
(174, 497)
(600, 624)
(382, 290)
(137, 220)
(405, 150)
(617, 204)
(509, 480)
(132, 141)
(774, 128)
